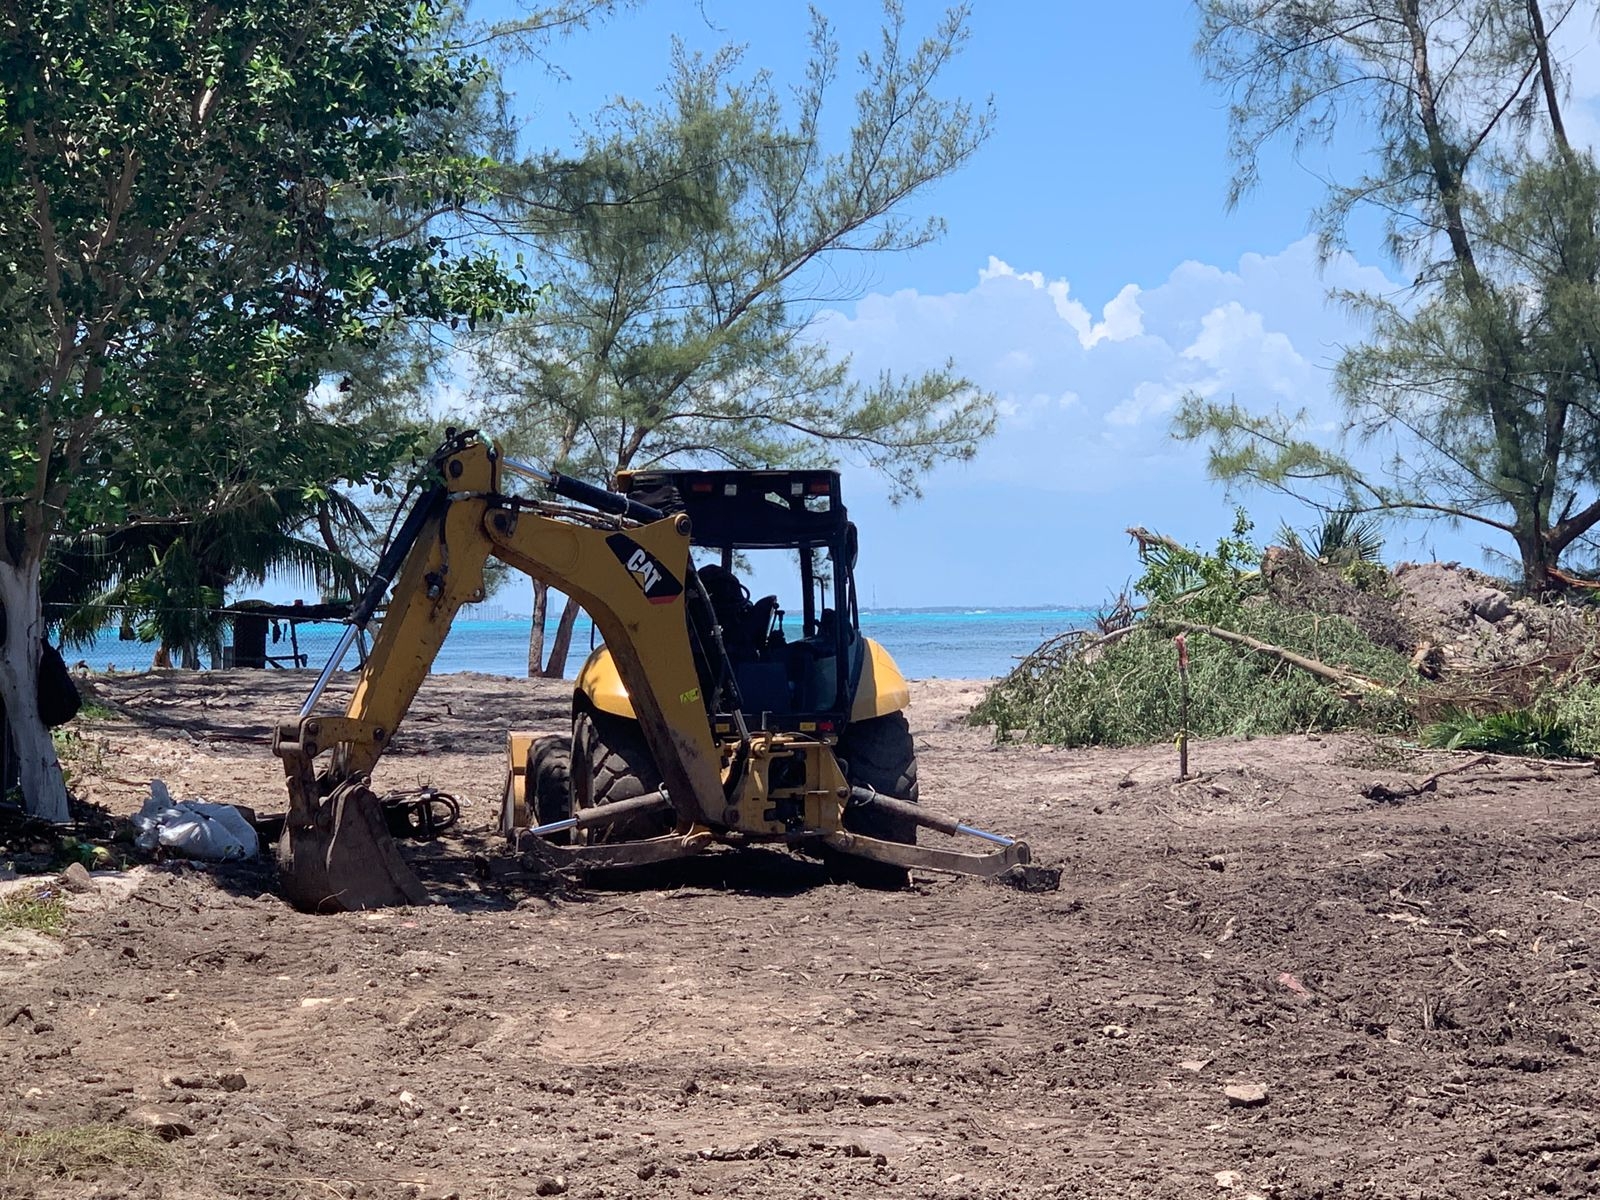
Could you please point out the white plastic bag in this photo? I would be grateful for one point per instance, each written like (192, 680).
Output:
(195, 829)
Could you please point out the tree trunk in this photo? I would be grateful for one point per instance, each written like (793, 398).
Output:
(541, 600)
(1537, 558)
(44, 789)
(562, 646)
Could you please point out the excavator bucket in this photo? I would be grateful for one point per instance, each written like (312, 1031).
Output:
(343, 859)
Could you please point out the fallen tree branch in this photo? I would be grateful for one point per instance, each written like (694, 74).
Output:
(1383, 794)
(1333, 674)
(1567, 764)
(1146, 540)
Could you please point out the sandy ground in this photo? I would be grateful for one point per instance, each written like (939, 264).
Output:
(1411, 984)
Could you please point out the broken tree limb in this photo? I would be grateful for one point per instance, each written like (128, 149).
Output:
(1147, 540)
(1383, 794)
(1591, 765)
(1422, 661)
(1333, 674)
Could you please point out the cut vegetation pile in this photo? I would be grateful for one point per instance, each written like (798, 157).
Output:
(1311, 639)
(1088, 690)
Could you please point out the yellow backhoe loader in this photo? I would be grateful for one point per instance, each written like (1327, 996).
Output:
(698, 722)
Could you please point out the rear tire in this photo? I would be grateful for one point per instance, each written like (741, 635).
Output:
(548, 775)
(878, 753)
(614, 763)
(550, 769)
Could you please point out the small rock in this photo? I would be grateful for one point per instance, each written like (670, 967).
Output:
(1113, 1031)
(646, 1170)
(231, 1081)
(1030, 877)
(1217, 863)
(1491, 604)
(551, 1185)
(76, 878)
(1195, 1064)
(1286, 979)
(1228, 1179)
(1246, 1095)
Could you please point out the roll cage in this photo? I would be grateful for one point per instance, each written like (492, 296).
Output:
(799, 510)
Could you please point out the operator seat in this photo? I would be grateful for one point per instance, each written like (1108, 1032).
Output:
(746, 626)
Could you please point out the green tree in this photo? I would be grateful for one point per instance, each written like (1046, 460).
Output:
(1478, 392)
(171, 173)
(263, 498)
(687, 250)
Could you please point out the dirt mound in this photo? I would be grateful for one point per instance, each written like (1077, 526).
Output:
(1473, 623)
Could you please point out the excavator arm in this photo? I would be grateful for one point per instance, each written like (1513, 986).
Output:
(630, 572)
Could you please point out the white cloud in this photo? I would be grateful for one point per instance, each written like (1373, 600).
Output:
(1120, 319)
(1086, 402)
(1578, 52)
(1149, 400)
(1123, 317)
(1236, 346)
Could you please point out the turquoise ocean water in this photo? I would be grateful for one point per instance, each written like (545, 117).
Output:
(927, 643)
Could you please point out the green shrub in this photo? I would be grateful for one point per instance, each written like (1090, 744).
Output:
(1540, 733)
(1578, 708)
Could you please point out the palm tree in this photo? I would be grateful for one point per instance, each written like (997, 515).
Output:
(247, 515)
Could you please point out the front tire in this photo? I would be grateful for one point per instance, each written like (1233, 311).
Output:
(878, 753)
(548, 779)
(612, 762)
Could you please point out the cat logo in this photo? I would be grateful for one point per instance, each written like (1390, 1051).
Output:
(654, 580)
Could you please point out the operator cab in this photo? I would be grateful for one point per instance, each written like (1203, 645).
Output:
(795, 654)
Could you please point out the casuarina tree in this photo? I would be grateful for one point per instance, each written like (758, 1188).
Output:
(1476, 397)
(687, 251)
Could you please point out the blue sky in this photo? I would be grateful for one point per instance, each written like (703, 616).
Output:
(1090, 276)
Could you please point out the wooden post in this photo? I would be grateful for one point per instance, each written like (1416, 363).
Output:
(1183, 707)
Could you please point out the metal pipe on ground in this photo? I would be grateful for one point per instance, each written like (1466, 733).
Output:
(921, 816)
(607, 814)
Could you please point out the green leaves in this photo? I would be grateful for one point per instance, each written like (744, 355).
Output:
(688, 251)
(1476, 397)
(201, 212)
(1212, 585)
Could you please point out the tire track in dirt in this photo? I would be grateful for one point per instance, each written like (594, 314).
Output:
(752, 1031)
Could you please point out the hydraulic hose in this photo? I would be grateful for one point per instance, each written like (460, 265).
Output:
(426, 507)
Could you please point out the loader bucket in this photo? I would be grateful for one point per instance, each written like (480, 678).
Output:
(343, 859)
